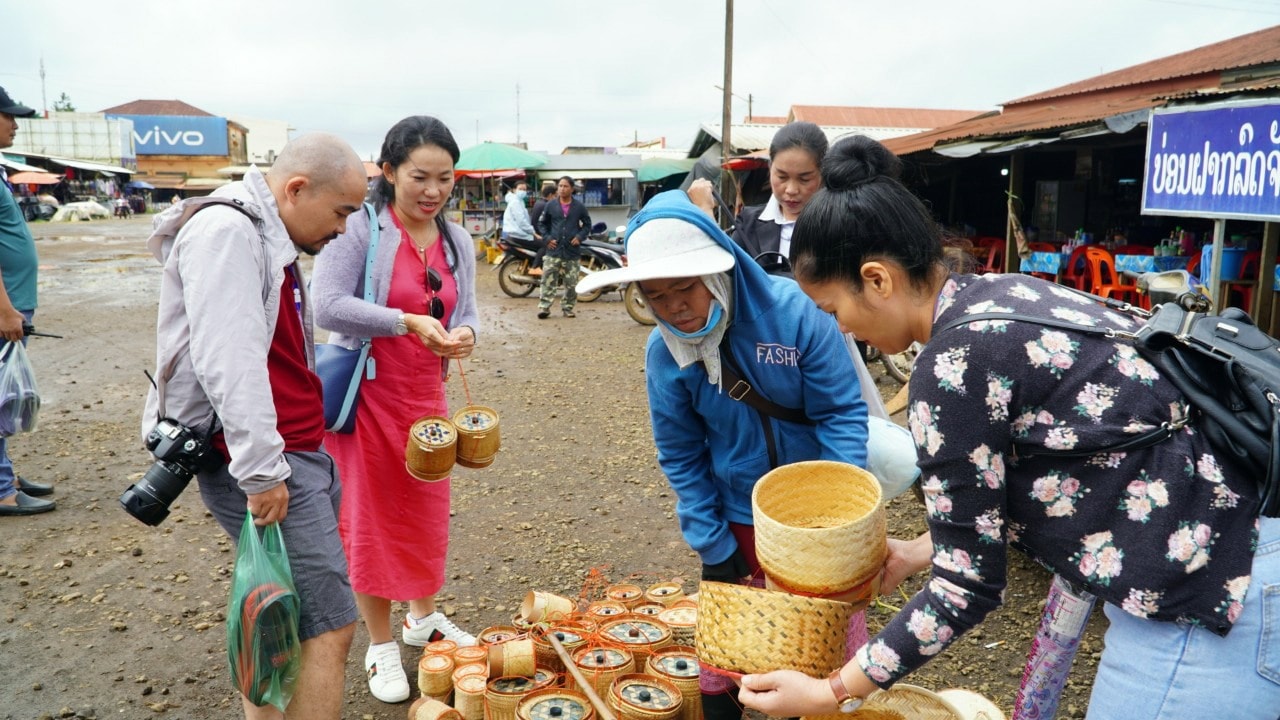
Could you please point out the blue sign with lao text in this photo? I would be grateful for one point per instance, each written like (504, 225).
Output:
(178, 134)
(1220, 160)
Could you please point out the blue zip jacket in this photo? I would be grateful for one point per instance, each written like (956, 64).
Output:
(710, 446)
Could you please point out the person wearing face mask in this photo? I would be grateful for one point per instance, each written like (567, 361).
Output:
(515, 219)
(720, 315)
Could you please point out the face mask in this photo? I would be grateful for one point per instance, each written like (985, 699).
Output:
(712, 320)
(522, 194)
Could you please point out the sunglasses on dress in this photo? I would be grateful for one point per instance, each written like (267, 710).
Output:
(435, 306)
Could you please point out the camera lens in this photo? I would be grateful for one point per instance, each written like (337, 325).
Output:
(149, 499)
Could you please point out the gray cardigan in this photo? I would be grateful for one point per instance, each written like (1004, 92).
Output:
(337, 281)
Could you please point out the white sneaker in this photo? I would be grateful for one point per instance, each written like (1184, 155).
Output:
(434, 627)
(387, 680)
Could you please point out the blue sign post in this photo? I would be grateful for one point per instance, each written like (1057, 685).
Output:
(1219, 161)
(179, 134)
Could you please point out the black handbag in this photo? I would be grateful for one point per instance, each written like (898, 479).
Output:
(342, 369)
(1227, 369)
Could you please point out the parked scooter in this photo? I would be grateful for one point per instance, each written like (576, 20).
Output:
(514, 275)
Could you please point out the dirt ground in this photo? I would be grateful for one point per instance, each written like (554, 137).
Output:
(101, 616)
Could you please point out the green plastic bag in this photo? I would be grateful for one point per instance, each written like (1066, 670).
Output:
(263, 648)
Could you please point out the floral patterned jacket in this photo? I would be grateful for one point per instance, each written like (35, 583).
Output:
(1163, 532)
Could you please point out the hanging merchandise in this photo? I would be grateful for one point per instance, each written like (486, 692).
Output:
(471, 439)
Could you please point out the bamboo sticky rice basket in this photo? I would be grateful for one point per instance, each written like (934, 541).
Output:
(819, 527)
(600, 665)
(751, 630)
(638, 696)
(554, 704)
(641, 634)
(678, 665)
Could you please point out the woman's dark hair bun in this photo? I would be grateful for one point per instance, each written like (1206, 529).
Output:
(858, 159)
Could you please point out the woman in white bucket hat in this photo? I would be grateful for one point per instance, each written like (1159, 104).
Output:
(722, 317)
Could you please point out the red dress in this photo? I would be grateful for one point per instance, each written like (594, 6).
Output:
(395, 528)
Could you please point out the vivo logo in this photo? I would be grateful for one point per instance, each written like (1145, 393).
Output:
(190, 138)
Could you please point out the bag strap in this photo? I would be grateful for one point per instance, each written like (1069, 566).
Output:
(742, 391)
(374, 229)
(1166, 430)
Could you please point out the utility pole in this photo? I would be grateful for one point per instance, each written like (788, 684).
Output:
(517, 113)
(44, 100)
(726, 177)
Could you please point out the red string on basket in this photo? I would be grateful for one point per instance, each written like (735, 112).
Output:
(466, 390)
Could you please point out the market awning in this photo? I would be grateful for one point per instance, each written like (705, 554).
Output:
(93, 167)
(480, 174)
(34, 178)
(16, 166)
(166, 182)
(204, 183)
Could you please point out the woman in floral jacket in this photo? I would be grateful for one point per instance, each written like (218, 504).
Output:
(1168, 537)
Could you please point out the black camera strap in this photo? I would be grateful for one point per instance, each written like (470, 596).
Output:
(742, 391)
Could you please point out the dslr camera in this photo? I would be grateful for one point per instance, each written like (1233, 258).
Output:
(180, 453)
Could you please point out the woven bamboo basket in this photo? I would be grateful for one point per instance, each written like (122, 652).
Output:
(626, 593)
(435, 675)
(678, 665)
(665, 594)
(572, 636)
(545, 607)
(440, 647)
(513, 657)
(604, 609)
(752, 630)
(498, 634)
(502, 694)
(432, 448)
(901, 702)
(425, 708)
(641, 634)
(479, 436)
(600, 665)
(651, 609)
(461, 671)
(683, 621)
(820, 526)
(638, 696)
(468, 696)
(555, 704)
(471, 654)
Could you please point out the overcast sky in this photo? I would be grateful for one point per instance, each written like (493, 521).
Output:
(589, 73)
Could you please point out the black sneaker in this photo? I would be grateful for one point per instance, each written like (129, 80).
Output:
(27, 505)
(544, 314)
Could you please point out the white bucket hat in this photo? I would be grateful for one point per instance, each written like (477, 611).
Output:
(664, 248)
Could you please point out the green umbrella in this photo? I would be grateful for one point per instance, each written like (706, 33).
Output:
(491, 156)
(655, 169)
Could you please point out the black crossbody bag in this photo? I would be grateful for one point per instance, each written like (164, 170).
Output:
(742, 391)
(1227, 369)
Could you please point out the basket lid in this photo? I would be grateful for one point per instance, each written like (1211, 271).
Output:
(637, 631)
(649, 609)
(665, 590)
(475, 417)
(554, 704)
(679, 664)
(432, 431)
(606, 608)
(680, 616)
(436, 663)
(646, 692)
(623, 592)
(470, 684)
(600, 658)
(516, 685)
(567, 636)
(498, 634)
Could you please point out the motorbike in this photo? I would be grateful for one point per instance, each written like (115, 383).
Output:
(598, 254)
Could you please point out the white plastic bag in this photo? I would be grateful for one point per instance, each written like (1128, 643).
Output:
(19, 399)
(891, 456)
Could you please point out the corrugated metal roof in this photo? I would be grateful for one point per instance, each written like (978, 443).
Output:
(879, 117)
(157, 107)
(1141, 87)
(1251, 50)
(598, 161)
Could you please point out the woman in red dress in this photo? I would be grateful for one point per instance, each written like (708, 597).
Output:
(395, 528)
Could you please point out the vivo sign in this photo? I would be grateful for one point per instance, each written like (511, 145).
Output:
(178, 135)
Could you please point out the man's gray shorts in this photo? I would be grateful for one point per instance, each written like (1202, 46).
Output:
(310, 536)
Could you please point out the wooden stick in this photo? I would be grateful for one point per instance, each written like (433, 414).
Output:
(602, 710)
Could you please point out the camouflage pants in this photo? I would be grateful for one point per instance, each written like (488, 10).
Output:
(556, 272)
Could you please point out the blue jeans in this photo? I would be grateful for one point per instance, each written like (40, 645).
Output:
(8, 480)
(1164, 670)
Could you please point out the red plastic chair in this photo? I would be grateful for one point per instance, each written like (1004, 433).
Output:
(1244, 284)
(1076, 272)
(1104, 280)
(995, 259)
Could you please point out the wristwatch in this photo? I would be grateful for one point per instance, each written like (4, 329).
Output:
(400, 327)
(847, 702)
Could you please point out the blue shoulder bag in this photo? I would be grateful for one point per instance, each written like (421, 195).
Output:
(342, 369)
